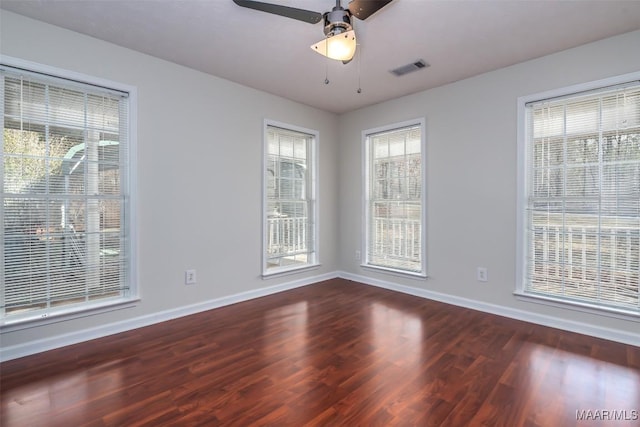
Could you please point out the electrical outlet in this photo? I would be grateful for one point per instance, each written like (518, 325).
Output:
(357, 255)
(481, 274)
(190, 277)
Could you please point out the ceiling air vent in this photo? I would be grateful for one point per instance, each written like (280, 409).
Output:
(409, 68)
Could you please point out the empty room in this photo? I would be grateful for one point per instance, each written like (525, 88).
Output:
(320, 212)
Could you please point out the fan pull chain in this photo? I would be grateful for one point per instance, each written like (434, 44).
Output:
(326, 63)
(359, 52)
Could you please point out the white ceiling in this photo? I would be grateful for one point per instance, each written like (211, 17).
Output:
(458, 38)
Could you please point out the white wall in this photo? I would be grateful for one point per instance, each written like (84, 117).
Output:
(471, 178)
(199, 177)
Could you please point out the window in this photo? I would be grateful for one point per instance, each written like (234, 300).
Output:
(394, 205)
(65, 202)
(581, 204)
(290, 202)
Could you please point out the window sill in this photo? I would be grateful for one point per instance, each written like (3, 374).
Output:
(289, 271)
(585, 307)
(64, 314)
(395, 272)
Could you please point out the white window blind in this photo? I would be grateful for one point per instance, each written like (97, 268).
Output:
(65, 231)
(582, 240)
(289, 214)
(394, 199)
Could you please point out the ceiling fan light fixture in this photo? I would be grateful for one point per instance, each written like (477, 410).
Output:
(340, 47)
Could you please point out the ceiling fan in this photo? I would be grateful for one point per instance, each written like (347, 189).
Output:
(340, 38)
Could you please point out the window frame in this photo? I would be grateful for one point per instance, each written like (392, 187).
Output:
(522, 183)
(64, 312)
(312, 192)
(366, 152)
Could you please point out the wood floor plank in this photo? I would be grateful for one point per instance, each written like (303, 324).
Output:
(334, 353)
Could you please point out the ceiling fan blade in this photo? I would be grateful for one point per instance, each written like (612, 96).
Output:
(289, 12)
(362, 9)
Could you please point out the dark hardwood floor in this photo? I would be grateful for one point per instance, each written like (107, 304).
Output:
(336, 353)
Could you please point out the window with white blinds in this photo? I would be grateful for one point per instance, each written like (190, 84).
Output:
(290, 202)
(395, 202)
(582, 196)
(65, 201)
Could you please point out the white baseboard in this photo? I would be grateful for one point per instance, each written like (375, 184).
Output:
(527, 316)
(50, 343)
(57, 341)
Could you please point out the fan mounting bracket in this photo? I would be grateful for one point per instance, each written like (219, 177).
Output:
(337, 21)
